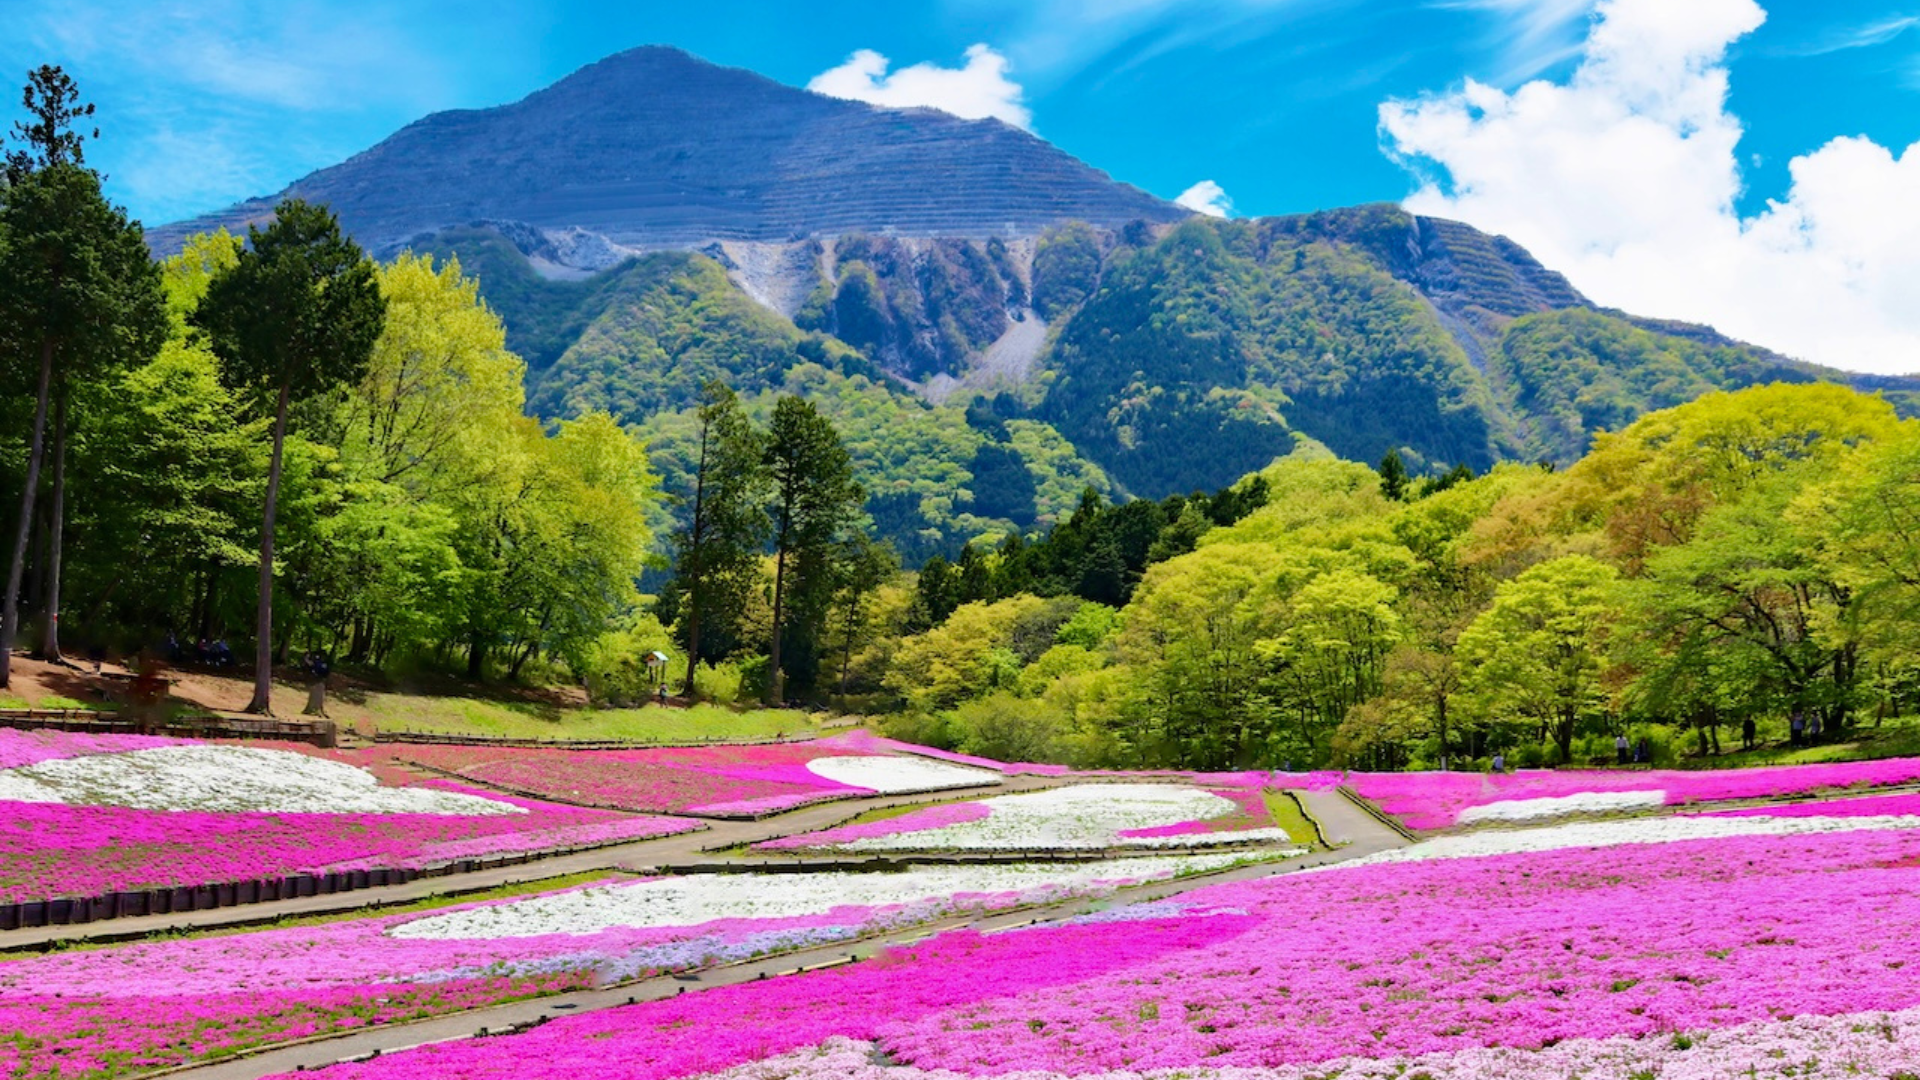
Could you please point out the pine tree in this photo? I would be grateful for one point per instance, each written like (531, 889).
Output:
(716, 556)
(296, 317)
(815, 497)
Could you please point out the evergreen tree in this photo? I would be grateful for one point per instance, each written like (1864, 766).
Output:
(716, 556)
(1393, 476)
(81, 295)
(297, 316)
(814, 498)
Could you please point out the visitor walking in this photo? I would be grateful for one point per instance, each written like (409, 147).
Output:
(1499, 763)
(1620, 748)
(1797, 728)
(1746, 734)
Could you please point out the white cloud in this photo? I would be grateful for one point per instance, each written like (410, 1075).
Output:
(977, 90)
(1206, 197)
(1625, 178)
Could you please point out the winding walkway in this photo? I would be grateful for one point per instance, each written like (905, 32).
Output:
(1356, 832)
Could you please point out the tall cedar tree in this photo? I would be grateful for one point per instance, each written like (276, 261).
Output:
(80, 292)
(815, 497)
(296, 317)
(717, 555)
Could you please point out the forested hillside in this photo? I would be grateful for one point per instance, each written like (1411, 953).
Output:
(1745, 557)
(1145, 361)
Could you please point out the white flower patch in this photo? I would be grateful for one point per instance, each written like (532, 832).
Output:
(1083, 817)
(1585, 802)
(229, 779)
(703, 898)
(896, 775)
(1594, 834)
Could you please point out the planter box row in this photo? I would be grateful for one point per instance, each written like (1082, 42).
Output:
(320, 733)
(172, 901)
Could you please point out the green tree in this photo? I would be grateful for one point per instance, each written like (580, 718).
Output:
(82, 295)
(48, 140)
(297, 316)
(1538, 652)
(814, 498)
(865, 565)
(716, 556)
(1393, 476)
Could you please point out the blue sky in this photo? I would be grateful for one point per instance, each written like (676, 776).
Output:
(1278, 102)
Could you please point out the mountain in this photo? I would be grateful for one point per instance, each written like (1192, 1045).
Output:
(655, 148)
(993, 325)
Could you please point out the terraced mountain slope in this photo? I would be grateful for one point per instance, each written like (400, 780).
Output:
(655, 148)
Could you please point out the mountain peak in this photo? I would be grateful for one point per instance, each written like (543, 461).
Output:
(654, 147)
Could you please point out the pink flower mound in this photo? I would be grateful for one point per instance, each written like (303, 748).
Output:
(1253, 814)
(933, 817)
(1434, 800)
(49, 850)
(716, 780)
(728, 1026)
(1445, 956)
(105, 1038)
(19, 748)
(1868, 806)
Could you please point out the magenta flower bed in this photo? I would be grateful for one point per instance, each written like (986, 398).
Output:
(18, 748)
(1387, 961)
(49, 850)
(933, 817)
(717, 780)
(1253, 814)
(1863, 806)
(158, 1003)
(1435, 800)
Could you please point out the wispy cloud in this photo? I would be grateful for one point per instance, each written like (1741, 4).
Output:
(1857, 36)
(1530, 36)
(202, 102)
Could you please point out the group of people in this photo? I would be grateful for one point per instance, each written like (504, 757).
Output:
(202, 653)
(1638, 752)
(1803, 728)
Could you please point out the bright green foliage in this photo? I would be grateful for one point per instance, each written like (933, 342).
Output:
(295, 316)
(1575, 373)
(979, 648)
(1537, 654)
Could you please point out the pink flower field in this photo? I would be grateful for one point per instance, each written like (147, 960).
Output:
(50, 850)
(1688, 959)
(53, 851)
(146, 1005)
(718, 781)
(1438, 800)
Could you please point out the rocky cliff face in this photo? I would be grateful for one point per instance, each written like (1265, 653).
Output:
(654, 148)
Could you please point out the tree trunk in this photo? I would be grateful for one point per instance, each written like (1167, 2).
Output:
(263, 628)
(50, 643)
(16, 570)
(690, 692)
(1442, 704)
(775, 689)
(476, 657)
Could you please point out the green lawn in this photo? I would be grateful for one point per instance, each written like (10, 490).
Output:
(1288, 815)
(537, 720)
(1897, 736)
